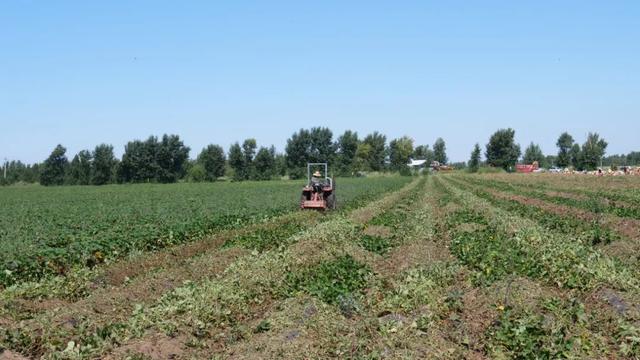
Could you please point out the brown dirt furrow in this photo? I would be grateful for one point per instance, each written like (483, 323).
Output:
(567, 195)
(8, 355)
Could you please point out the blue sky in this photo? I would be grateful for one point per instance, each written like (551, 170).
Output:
(86, 72)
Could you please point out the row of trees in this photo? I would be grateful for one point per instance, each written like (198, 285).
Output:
(349, 154)
(166, 159)
(502, 151)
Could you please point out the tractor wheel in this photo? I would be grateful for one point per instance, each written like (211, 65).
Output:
(331, 201)
(303, 198)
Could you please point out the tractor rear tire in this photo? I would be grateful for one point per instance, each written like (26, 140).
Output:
(331, 202)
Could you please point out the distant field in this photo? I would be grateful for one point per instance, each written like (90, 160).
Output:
(46, 230)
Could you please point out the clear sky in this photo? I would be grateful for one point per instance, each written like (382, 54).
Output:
(86, 72)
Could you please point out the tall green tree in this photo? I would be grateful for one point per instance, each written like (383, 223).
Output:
(249, 147)
(80, 168)
(440, 151)
(378, 151)
(564, 144)
(171, 156)
(265, 162)
(280, 165)
(212, 159)
(474, 161)
(103, 165)
(593, 150)
(305, 146)
(534, 153)
(502, 150)
(400, 151)
(363, 155)
(151, 160)
(236, 161)
(54, 168)
(139, 161)
(576, 157)
(347, 145)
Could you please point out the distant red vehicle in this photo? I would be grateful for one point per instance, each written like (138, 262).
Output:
(527, 168)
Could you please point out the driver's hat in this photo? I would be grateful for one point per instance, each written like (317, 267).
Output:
(317, 174)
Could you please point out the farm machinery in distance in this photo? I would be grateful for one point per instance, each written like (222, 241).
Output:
(320, 191)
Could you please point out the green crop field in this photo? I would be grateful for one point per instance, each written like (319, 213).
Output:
(47, 230)
(446, 266)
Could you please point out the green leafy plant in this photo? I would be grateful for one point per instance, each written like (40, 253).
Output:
(330, 280)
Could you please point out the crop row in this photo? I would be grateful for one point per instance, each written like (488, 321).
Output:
(592, 231)
(525, 247)
(498, 245)
(618, 205)
(48, 231)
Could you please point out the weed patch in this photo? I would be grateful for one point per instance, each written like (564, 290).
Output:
(331, 280)
(376, 244)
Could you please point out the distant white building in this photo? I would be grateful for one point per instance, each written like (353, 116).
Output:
(416, 164)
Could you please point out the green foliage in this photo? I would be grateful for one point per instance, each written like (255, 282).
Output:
(330, 280)
(422, 286)
(17, 172)
(347, 147)
(592, 151)
(474, 161)
(265, 164)
(422, 152)
(363, 154)
(80, 169)
(509, 246)
(400, 151)
(376, 244)
(593, 231)
(154, 161)
(249, 147)
(171, 158)
(197, 173)
(103, 165)
(212, 161)
(48, 231)
(529, 336)
(392, 218)
(502, 151)
(305, 146)
(54, 168)
(377, 150)
(440, 151)
(236, 161)
(268, 237)
(534, 153)
(565, 145)
(576, 155)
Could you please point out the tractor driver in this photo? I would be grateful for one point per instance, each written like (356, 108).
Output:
(317, 182)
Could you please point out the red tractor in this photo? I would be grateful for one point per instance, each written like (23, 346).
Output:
(320, 191)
